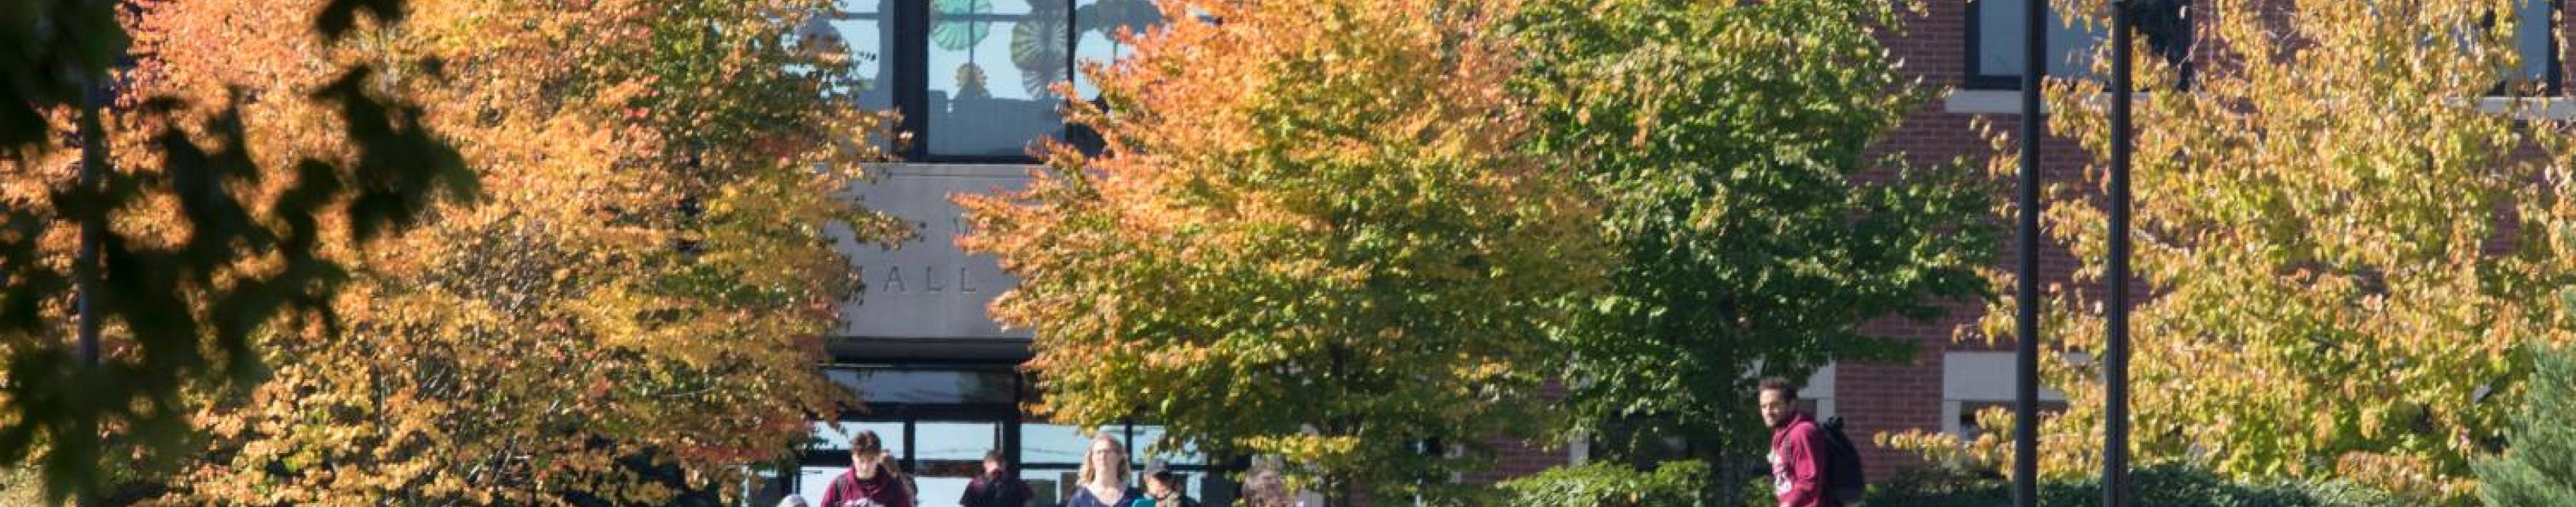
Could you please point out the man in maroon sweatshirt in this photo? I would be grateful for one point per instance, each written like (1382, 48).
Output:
(1797, 448)
(873, 479)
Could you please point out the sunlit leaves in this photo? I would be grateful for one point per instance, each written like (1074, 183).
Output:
(200, 242)
(630, 313)
(1310, 234)
(2339, 249)
(1730, 144)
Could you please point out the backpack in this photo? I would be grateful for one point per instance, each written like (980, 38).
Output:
(1842, 464)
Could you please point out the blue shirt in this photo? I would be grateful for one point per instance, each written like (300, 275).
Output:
(1082, 498)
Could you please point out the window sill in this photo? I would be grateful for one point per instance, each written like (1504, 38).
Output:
(2531, 108)
(1983, 102)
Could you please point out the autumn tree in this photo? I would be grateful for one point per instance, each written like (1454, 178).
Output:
(1754, 227)
(1309, 235)
(2340, 251)
(175, 252)
(639, 296)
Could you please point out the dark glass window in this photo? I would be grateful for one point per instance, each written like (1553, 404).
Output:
(2535, 36)
(1997, 33)
(886, 385)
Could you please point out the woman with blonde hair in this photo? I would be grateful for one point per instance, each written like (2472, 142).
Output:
(1103, 476)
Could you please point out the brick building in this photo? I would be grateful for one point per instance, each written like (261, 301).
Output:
(939, 376)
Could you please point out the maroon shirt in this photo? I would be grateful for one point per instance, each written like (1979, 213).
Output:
(1798, 463)
(848, 490)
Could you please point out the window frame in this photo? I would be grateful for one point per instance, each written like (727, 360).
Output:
(2554, 79)
(908, 60)
(1974, 78)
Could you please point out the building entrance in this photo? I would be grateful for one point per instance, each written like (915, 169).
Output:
(938, 421)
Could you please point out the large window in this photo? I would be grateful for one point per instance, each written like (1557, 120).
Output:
(928, 386)
(2536, 35)
(1996, 32)
(973, 78)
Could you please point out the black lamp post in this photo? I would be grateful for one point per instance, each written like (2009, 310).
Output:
(2026, 309)
(86, 270)
(2115, 360)
(2115, 459)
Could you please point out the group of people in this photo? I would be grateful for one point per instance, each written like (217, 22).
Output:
(875, 479)
(1798, 468)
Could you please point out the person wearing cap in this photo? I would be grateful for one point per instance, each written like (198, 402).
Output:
(1164, 488)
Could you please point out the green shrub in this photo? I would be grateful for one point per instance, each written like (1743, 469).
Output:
(2538, 467)
(1941, 487)
(2159, 486)
(1672, 484)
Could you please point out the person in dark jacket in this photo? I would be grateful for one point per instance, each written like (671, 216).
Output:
(998, 487)
(1797, 448)
(873, 479)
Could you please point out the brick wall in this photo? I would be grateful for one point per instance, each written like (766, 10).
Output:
(1891, 398)
(1516, 459)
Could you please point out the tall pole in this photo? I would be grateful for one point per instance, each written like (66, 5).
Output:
(86, 269)
(2026, 336)
(2115, 361)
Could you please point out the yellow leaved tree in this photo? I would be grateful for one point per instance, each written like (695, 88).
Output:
(2343, 256)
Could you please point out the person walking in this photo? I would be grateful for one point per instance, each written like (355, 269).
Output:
(873, 479)
(1164, 488)
(998, 487)
(1103, 476)
(1798, 448)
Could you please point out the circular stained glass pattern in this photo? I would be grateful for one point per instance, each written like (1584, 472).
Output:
(955, 34)
(1038, 50)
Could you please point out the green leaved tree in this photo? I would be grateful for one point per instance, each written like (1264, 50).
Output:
(1754, 229)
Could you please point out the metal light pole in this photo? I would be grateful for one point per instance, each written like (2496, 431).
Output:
(2026, 309)
(86, 270)
(2115, 360)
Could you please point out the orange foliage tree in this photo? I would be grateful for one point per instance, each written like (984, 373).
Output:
(630, 315)
(1308, 235)
(125, 282)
